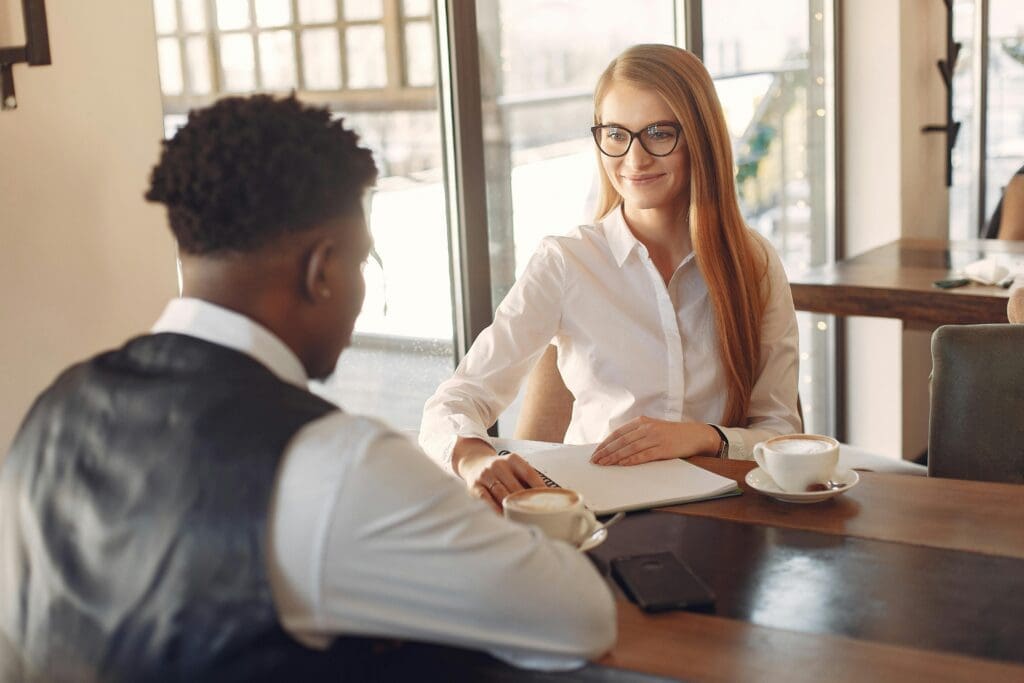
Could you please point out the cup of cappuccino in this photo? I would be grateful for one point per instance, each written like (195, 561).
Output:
(798, 461)
(559, 513)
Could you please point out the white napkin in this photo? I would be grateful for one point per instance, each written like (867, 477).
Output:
(986, 271)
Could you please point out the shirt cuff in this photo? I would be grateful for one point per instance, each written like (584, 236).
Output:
(739, 449)
(439, 444)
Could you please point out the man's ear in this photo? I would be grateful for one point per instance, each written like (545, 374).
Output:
(319, 264)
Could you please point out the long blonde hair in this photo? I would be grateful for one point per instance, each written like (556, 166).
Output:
(730, 260)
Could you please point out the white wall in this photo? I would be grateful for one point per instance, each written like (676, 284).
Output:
(894, 186)
(925, 197)
(869, 83)
(85, 262)
(11, 24)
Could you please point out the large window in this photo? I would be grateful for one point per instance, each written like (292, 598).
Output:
(988, 91)
(774, 78)
(1005, 105)
(354, 54)
(374, 62)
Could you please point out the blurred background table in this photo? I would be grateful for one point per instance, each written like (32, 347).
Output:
(896, 280)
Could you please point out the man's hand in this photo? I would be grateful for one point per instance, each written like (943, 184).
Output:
(644, 439)
(489, 476)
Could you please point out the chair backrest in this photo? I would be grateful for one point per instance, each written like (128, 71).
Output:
(547, 403)
(976, 424)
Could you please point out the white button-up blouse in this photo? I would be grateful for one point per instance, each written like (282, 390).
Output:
(628, 346)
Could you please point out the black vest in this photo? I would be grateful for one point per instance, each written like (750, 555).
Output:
(133, 513)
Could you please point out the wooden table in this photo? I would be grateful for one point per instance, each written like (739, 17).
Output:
(901, 578)
(895, 281)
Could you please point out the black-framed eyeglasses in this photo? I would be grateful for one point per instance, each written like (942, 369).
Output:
(658, 139)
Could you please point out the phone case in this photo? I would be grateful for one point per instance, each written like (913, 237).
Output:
(952, 283)
(659, 581)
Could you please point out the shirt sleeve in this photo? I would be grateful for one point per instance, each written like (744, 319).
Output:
(488, 378)
(370, 538)
(773, 400)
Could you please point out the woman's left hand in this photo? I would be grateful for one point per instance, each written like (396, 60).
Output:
(644, 439)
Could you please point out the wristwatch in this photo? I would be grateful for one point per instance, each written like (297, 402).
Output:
(723, 449)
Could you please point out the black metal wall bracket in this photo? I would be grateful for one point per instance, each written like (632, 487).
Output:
(946, 67)
(35, 51)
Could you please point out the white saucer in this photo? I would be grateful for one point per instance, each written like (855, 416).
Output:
(594, 540)
(759, 480)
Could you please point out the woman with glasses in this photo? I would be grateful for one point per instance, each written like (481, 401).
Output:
(674, 322)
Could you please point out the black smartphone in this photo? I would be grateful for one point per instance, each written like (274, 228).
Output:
(659, 581)
(952, 283)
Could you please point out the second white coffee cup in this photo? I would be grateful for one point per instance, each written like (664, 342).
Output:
(798, 461)
(559, 513)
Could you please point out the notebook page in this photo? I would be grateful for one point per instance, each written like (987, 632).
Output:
(610, 489)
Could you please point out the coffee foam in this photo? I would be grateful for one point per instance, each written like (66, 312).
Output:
(800, 446)
(545, 501)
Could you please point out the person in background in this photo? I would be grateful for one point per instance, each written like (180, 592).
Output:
(183, 508)
(1015, 306)
(674, 321)
(1007, 222)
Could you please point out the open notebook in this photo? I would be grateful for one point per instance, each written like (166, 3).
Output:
(611, 489)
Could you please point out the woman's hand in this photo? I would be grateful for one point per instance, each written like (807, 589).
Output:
(489, 476)
(644, 439)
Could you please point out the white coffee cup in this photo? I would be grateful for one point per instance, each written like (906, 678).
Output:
(798, 461)
(559, 513)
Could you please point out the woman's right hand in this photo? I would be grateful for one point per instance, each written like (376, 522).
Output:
(489, 476)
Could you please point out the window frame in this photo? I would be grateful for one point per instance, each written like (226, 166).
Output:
(395, 95)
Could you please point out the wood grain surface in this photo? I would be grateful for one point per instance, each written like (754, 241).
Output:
(942, 513)
(699, 647)
(896, 281)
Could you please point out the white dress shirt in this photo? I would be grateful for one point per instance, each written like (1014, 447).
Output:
(368, 537)
(628, 346)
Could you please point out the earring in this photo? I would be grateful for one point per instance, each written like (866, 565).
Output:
(325, 293)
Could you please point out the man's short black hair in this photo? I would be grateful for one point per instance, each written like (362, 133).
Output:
(249, 169)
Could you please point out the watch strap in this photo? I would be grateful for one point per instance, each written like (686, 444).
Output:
(723, 449)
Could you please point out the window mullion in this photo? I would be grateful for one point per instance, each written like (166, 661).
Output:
(692, 26)
(393, 41)
(300, 71)
(182, 37)
(254, 36)
(979, 155)
(213, 46)
(462, 132)
(343, 49)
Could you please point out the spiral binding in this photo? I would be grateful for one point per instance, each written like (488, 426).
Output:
(547, 480)
(551, 484)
